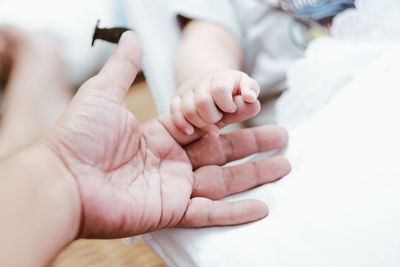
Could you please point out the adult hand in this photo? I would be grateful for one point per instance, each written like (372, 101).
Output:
(138, 178)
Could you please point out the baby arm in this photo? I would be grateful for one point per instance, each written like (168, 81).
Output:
(204, 48)
(207, 71)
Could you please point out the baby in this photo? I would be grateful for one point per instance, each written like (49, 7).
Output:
(220, 39)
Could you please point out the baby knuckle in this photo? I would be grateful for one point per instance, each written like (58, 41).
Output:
(221, 89)
(202, 102)
(189, 113)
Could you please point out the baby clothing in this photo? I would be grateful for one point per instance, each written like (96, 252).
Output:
(267, 31)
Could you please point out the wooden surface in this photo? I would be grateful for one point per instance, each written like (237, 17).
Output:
(114, 253)
(101, 253)
(140, 102)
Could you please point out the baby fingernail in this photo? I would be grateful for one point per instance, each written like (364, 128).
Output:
(214, 132)
(189, 130)
(232, 109)
(253, 94)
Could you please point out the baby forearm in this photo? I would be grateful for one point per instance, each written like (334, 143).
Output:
(206, 47)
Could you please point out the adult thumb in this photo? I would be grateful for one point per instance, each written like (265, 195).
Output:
(119, 72)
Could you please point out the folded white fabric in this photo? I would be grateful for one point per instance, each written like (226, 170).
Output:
(328, 66)
(338, 207)
(157, 27)
(372, 20)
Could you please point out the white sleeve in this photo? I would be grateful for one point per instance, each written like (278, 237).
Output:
(220, 12)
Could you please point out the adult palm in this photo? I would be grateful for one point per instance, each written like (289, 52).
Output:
(138, 178)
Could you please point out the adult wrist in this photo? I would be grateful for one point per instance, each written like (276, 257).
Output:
(43, 208)
(61, 183)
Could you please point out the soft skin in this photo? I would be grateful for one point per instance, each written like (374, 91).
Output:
(99, 174)
(207, 71)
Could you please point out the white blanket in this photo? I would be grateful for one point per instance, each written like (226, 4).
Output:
(340, 206)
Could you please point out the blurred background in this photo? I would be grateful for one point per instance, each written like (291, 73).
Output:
(71, 24)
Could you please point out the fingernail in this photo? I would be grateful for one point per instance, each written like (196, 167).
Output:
(188, 130)
(233, 109)
(253, 94)
(124, 37)
(214, 132)
(112, 35)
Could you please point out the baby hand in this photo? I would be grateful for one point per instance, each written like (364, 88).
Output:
(202, 102)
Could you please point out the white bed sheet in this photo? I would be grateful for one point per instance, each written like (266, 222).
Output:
(340, 206)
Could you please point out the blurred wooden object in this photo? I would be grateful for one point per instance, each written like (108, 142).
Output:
(114, 253)
(102, 253)
(139, 100)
